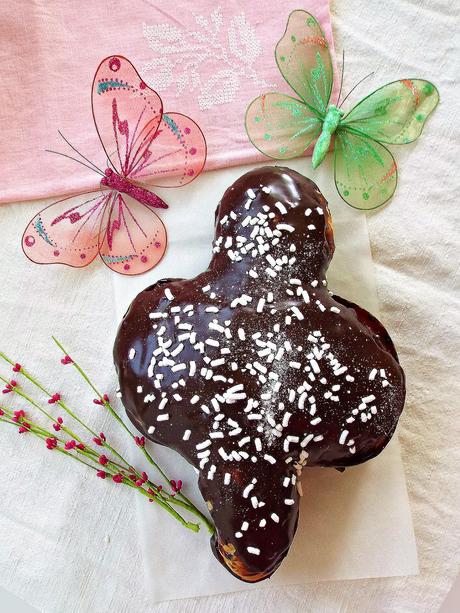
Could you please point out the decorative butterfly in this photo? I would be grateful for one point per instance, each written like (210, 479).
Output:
(144, 147)
(283, 127)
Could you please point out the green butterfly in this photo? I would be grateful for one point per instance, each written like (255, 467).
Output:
(283, 127)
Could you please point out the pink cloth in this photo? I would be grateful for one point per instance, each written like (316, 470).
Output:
(205, 61)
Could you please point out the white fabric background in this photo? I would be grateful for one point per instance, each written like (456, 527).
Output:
(415, 250)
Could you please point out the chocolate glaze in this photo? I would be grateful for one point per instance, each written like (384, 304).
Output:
(321, 373)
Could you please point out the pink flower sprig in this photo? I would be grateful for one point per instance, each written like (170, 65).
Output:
(109, 464)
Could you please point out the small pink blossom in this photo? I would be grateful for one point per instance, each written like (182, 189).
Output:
(25, 427)
(140, 441)
(118, 478)
(102, 474)
(51, 443)
(17, 367)
(70, 445)
(66, 360)
(54, 399)
(103, 460)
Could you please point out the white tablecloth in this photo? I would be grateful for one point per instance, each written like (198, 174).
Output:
(415, 249)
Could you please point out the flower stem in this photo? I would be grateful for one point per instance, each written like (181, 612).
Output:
(91, 457)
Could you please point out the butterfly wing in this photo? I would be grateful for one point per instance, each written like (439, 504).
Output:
(281, 126)
(177, 155)
(394, 113)
(132, 238)
(365, 171)
(304, 60)
(67, 231)
(127, 113)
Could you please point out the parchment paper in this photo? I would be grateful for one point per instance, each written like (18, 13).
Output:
(352, 525)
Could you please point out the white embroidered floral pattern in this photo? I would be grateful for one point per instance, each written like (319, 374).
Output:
(212, 60)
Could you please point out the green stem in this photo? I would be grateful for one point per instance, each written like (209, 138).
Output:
(185, 502)
(162, 498)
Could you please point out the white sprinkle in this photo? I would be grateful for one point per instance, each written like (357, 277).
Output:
(306, 440)
(343, 437)
(241, 334)
(372, 374)
(212, 309)
(163, 403)
(187, 434)
(244, 441)
(218, 362)
(314, 365)
(227, 479)
(157, 315)
(244, 526)
(335, 309)
(151, 429)
(163, 417)
(215, 326)
(262, 523)
(251, 193)
(178, 367)
(285, 226)
(368, 399)
(203, 454)
(177, 350)
(258, 444)
(132, 353)
(302, 399)
(297, 313)
(254, 502)
(168, 293)
(247, 490)
(203, 445)
(269, 458)
(275, 518)
(295, 365)
(254, 550)
(192, 368)
(260, 305)
(289, 501)
(212, 342)
(281, 207)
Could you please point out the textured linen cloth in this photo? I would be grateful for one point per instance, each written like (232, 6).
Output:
(81, 556)
(207, 60)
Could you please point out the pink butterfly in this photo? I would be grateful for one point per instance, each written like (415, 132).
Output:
(143, 145)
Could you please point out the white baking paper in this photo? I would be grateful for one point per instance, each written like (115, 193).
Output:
(352, 525)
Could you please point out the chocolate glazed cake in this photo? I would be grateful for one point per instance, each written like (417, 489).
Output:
(253, 370)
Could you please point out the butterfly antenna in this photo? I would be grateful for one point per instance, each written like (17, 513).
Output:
(75, 160)
(359, 83)
(79, 153)
(341, 78)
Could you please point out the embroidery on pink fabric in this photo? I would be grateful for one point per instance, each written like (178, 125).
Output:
(210, 60)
